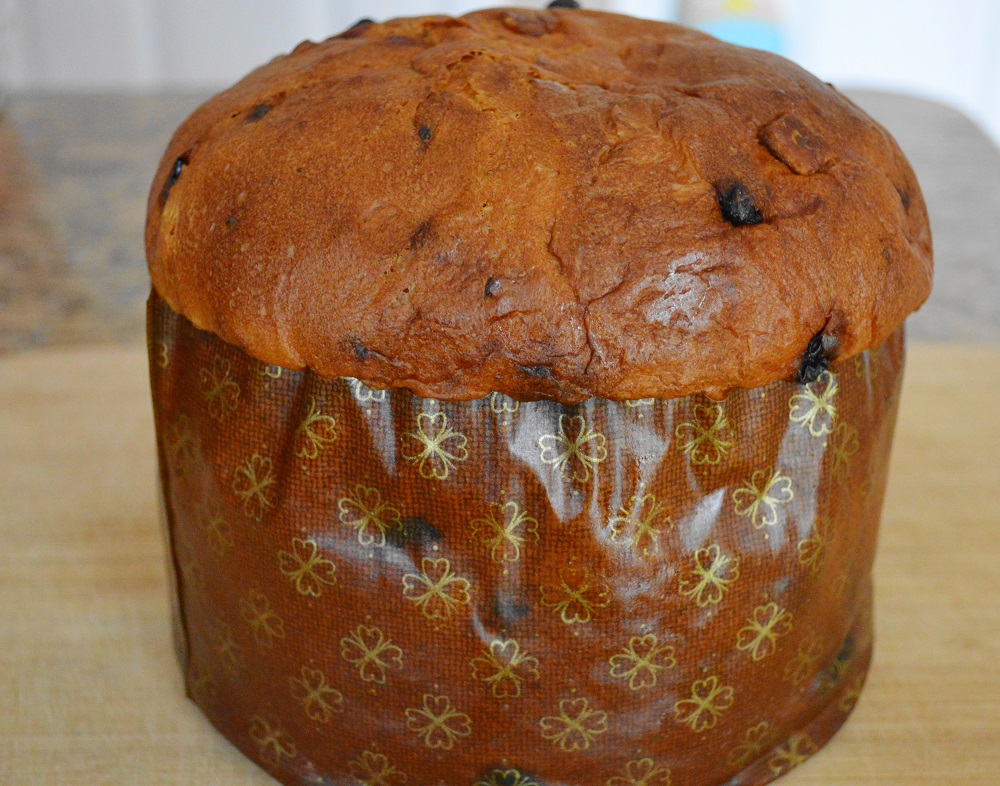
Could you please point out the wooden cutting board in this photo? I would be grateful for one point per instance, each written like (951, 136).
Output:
(90, 693)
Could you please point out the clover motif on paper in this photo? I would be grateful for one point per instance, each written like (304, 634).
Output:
(843, 445)
(269, 371)
(813, 550)
(264, 622)
(764, 627)
(364, 393)
(504, 406)
(504, 666)
(438, 723)
(273, 743)
(851, 695)
(507, 778)
(253, 483)
(642, 772)
(225, 646)
(220, 392)
(181, 445)
(314, 433)
(371, 652)
(796, 750)
(374, 769)
(160, 352)
(709, 699)
(713, 573)
(704, 437)
(217, 530)
(318, 699)
(576, 597)
(306, 569)
(641, 660)
(575, 451)
(814, 407)
(641, 524)
(758, 498)
(805, 663)
(368, 514)
(434, 446)
(576, 726)
(755, 740)
(437, 591)
(504, 530)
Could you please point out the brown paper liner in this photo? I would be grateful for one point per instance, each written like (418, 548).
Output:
(380, 589)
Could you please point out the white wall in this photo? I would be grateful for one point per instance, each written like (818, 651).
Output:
(935, 48)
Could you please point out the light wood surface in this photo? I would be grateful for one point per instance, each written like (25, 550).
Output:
(90, 693)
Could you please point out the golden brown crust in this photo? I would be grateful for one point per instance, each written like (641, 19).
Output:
(536, 203)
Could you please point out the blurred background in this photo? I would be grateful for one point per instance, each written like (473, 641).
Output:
(91, 90)
(939, 49)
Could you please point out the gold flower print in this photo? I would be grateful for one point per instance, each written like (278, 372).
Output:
(843, 446)
(218, 388)
(217, 531)
(641, 524)
(436, 590)
(860, 365)
(306, 569)
(576, 450)
(201, 685)
(815, 411)
(273, 743)
(374, 769)
(504, 530)
(364, 393)
(851, 695)
(703, 437)
(270, 371)
(794, 752)
(225, 646)
(438, 723)
(366, 512)
(253, 482)
(314, 433)
(754, 742)
(576, 726)
(711, 576)
(317, 697)
(371, 652)
(764, 627)
(813, 550)
(435, 447)
(642, 772)
(635, 403)
(161, 353)
(504, 406)
(576, 597)
(758, 498)
(181, 445)
(507, 778)
(805, 662)
(264, 623)
(641, 661)
(504, 666)
(709, 699)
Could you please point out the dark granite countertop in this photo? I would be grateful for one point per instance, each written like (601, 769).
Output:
(78, 169)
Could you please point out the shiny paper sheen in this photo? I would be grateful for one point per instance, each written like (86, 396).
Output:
(375, 588)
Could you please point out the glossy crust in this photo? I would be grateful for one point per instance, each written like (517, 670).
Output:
(550, 204)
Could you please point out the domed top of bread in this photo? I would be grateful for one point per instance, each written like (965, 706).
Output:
(550, 204)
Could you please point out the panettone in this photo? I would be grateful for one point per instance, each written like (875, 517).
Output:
(524, 386)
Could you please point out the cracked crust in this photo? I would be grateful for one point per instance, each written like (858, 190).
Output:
(549, 204)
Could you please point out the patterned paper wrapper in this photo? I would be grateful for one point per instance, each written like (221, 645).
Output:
(379, 589)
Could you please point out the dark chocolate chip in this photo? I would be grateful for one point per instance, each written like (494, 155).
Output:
(424, 133)
(563, 4)
(360, 350)
(173, 176)
(886, 254)
(538, 372)
(903, 198)
(232, 222)
(413, 531)
(505, 776)
(737, 205)
(258, 112)
(363, 22)
(492, 287)
(419, 238)
(814, 360)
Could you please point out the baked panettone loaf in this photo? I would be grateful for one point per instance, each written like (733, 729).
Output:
(524, 386)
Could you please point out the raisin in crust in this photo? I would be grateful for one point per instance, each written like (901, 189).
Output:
(551, 204)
